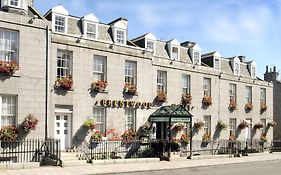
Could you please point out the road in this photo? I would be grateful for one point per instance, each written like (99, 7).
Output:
(253, 168)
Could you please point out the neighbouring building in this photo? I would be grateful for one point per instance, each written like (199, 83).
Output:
(75, 68)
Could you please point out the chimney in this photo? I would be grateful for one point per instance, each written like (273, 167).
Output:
(271, 75)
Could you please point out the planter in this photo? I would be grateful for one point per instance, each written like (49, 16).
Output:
(129, 135)
(263, 107)
(29, 123)
(243, 125)
(207, 100)
(99, 86)
(248, 106)
(186, 99)
(206, 138)
(272, 124)
(221, 125)
(258, 126)
(64, 83)
(232, 105)
(8, 67)
(161, 96)
(89, 124)
(130, 89)
(198, 125)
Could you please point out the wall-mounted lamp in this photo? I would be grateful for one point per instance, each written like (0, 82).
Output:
(111, 46)
(32, 19)
(79, 39)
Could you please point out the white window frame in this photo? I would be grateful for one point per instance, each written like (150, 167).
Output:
(91, 34)
(9, 112)
(99, 115)
(9, 45)
(249, 94)
(64, 69)
(162, 81)
(175, 53)
(150, 45)
(120, 38)
(262, 96)
(232, 92)
(186, 84)
(207, 86)
(65, 26)
(196, 57)
(236, 68)
(217, 63)
(130, 119)
(130, 72)
(232, 126)
(99, 67)
(207, 124)
(253, 72)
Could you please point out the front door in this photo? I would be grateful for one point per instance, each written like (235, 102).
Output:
(62, 129)
(248, 130)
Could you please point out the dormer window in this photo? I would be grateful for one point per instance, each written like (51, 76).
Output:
(235, 62)
(91, 30)
(120, 36)
(14, 3)
(60, 24)
(253, 72)
(252, 68)
(217, 63)
(150, 45)
(175, 53)
(236, 68)
(196, 57)
(195, 51)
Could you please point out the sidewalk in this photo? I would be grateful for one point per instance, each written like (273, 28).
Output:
(136, 167)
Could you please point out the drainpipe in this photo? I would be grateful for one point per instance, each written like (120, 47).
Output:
(47, 82)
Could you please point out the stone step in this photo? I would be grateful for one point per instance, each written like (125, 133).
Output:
(73, 163)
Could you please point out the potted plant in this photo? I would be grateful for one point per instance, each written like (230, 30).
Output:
(198, 125)
(185, 139)
(64, 82)
(232, 105)
(263, 137)
(186, 99)
(263, 107)
(145, 129)
(8, 133)
(272, 124)
(221, 125)
(161, 96)
(129, 135)
(96, 136)
(207, 100)
(29, 123)
(130, 89)
(248, 106)
(243, 125)
(89, 124)
(206, 137)
(8, 67)
(99, 85)
(258, 125)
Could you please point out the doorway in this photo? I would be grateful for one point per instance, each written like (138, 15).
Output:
(63, 129)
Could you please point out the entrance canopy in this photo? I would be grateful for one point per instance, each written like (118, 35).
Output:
(175, 113)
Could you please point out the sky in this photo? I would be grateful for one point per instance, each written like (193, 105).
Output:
(232, 27)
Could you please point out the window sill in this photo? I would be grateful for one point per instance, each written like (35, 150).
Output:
(16, 74)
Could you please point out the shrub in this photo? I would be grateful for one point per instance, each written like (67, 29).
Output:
(96, 136)
(89, 124)
(8, 133)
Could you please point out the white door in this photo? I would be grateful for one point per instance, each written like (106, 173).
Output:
(62, 129)
(248, 130)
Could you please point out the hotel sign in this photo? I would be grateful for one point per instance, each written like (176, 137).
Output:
(123, 104)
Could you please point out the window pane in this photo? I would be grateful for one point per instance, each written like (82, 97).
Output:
(60, 24)
(99, 117)
(99, 67)
(130, 119)
(64, 64)
(120, 36)
(186, 84)
(130, 72)
(91, 30)
(162, 81)
(207, 86)
(207, 124)
(8, 45)
(8, 108)
(248, 94)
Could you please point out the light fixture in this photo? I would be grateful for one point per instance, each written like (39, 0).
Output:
(32, 19)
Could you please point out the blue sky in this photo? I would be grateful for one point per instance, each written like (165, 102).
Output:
(232, 27)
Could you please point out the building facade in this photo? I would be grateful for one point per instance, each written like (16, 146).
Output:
(62, 58)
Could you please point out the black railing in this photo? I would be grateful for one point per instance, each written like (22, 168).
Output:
(29, 150)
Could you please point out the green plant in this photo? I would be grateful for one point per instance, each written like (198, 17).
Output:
(243, 125)
(232, 105)
(221, 125)
(96, 136)
(258, 125)
(8, 133)
(263, 107)
(232, 137)
(185, 138)
(145, 129)
(206, 137)
(199, 125)
(89, 124)
(130, 88)
(129, 135)
(263, 137)
(178, 126)
(29, 123)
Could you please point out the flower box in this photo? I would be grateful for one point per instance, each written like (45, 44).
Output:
(29, 123)
(249, 106)
(186, 99)
(65, 83)
(221, 125)
(206, 137)
(129, 135)
(130, 89)
(99, 85)
(232, 105)
(8, 67)
(243, 125)
(232, 137)
(263, 107)
(89, 124)
(198, 125)
(161, 96)
(8, 133)
(207, 100)
(263, 137)
(258, 126)
(272, 124)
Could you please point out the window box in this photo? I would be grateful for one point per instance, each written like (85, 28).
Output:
(248, 106)
(8, 133)
(161, 96)
(129, 135)
(99, 86)
(29, 123)
(206, 137)
(65, 83)
(232, 105)
(198, 125)
(8, 67)
(263, 137)
(232, 137)
(258, 126)
(243, 125)
(263, 107)
(186, 99)
(221, 125)
(272, 124)
(130, 89)
(207, 100)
